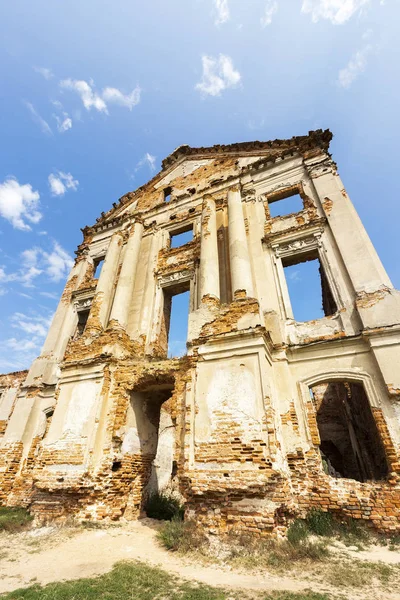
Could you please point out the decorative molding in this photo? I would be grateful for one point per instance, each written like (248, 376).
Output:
(176, 277)
(82, 299)
(320, 168)
(249, 195)
(83, 304)
(280, 238)
(300, 245)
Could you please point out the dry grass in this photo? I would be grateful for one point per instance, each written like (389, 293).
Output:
(306, 552)
(358, 574)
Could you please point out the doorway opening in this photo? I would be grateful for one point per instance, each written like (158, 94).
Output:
(150, 430)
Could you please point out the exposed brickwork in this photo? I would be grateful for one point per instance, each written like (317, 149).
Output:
(233, 426)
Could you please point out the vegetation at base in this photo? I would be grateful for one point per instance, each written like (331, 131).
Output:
(163, 507)
(325, 525)
(138, 581)
(182, 536)
(240, 550)
(307, 539)
(14, 519)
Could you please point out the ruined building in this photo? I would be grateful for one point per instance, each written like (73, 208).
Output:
(266, 416)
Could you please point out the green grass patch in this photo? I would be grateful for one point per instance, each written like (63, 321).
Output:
(163, 507)
(138, 581)
(14, 519)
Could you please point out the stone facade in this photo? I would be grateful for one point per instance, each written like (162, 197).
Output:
(265, 417)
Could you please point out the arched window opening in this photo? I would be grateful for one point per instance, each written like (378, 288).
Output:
(350, 446)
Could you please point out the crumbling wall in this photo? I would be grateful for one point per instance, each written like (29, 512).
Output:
(232, 426)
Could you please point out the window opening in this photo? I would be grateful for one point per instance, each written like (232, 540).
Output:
(181, 238)
(178, 324)
(285, 204)
(310, 294)
(174, 325)
(83, 316)
(350, 446)
(167, 194)
(98, 265)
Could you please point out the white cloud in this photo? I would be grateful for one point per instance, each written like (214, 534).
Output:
(218, 74)
(65, 124)
(222, 9)
(52, 296)
(36, 325)
(89, 98)
(336, 11)
(64, 121)
(44, 126)
(355, 66)
(24, 345)
(55, 264)
(149, 160)
(59, 263)
(92, 99)
(19, 203)
(62, 182)
(46, 73)
(29, 268)
(26, 278)
(20, 349)
(115, 96)
(295, 276)
(270, 9)
(30, 257)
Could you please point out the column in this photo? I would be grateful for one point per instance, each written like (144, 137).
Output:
(209, 265)
(238, 249)
(57, 327)
(45, 366)
(377, 302)
(359, 255)
(150, 289)
(107, 276)
(98, 317)
(126, 281)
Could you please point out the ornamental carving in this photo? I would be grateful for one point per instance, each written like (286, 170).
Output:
(176, 277)
(83, 304)
(308, 243)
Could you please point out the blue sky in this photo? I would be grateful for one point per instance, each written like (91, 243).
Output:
(94, 94)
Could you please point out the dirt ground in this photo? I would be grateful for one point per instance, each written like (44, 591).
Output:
(51, 554)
